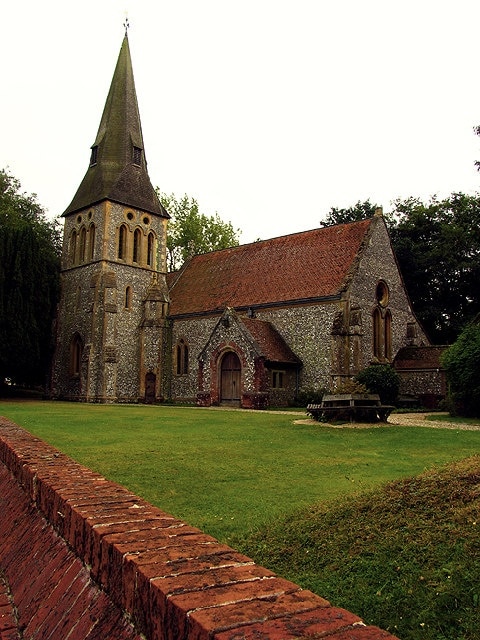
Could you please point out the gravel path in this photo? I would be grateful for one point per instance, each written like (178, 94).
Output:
(419, 420)
(401, 419)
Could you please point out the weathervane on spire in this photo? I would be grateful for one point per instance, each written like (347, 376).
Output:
(126, 24)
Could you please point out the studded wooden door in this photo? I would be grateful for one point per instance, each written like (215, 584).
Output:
(230, 378)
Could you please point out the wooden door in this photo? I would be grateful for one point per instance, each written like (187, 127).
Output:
(230, 378)
(150, 382)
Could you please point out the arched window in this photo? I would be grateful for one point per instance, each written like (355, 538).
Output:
(150, 249)
(182, 358)
(137, 245)
(76, 350)
(91, 241)
(83, 244)
(388, 334)
(122, 242)
(377, 334)
(72, 249)
(382, 324)
(128, 298)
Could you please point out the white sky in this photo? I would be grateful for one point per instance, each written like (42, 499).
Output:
(268, 112)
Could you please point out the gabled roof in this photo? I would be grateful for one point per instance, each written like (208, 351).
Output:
(113, 174)
(300, 267)
(270, 343)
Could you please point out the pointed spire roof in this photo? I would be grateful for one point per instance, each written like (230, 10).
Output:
(118, 169)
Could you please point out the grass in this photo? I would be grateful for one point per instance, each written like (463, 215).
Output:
(336, 510)
(229, 472)
(405, 557)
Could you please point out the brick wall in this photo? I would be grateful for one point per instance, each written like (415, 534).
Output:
(82, 557)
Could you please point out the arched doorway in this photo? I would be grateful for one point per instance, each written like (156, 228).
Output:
(150, 382)
(230, 378)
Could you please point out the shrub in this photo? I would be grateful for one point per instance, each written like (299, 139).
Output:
(462, 363)
(381, 379)
(309, 396)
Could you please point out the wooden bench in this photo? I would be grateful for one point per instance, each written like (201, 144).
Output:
(365, 407)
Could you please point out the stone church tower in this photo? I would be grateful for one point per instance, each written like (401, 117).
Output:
(112, 327)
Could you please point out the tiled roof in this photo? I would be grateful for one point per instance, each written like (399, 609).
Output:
(302, 266)
(114, 175)
(425, 357)
(270, 342)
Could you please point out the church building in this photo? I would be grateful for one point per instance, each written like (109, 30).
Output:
(252, 326)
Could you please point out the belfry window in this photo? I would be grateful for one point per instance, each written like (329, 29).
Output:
(72, 252)
(150, 248)
(137, 245)
(93, 155)
(137, 156)
(91, 241)
(83, 244)
(122, 242)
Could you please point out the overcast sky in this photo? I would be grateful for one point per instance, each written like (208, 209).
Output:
(269, 112)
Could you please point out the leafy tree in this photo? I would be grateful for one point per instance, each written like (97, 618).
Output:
(191, 232)
(359, 211)
(462, 363)
(29, 284)
(438, 248)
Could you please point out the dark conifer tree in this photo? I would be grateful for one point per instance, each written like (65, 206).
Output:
(29, 284)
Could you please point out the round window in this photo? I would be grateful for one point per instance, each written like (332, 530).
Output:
(130, 215)
(382, 293)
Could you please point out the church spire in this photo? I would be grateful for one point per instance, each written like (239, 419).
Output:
(118, 169)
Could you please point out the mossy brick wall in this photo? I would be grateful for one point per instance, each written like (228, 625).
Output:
(84, 558)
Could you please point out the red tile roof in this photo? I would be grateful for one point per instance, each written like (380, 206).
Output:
(270, 342)
(309, 265)
(425, 357)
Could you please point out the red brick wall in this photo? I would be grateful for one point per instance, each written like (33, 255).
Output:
(82, 557)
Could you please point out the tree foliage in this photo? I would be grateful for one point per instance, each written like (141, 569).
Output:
(29, 284)
(438, 248)
(191, 232)
(462, 364)
(359, 211)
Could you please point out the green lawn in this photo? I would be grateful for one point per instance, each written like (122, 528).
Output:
(230, 472)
